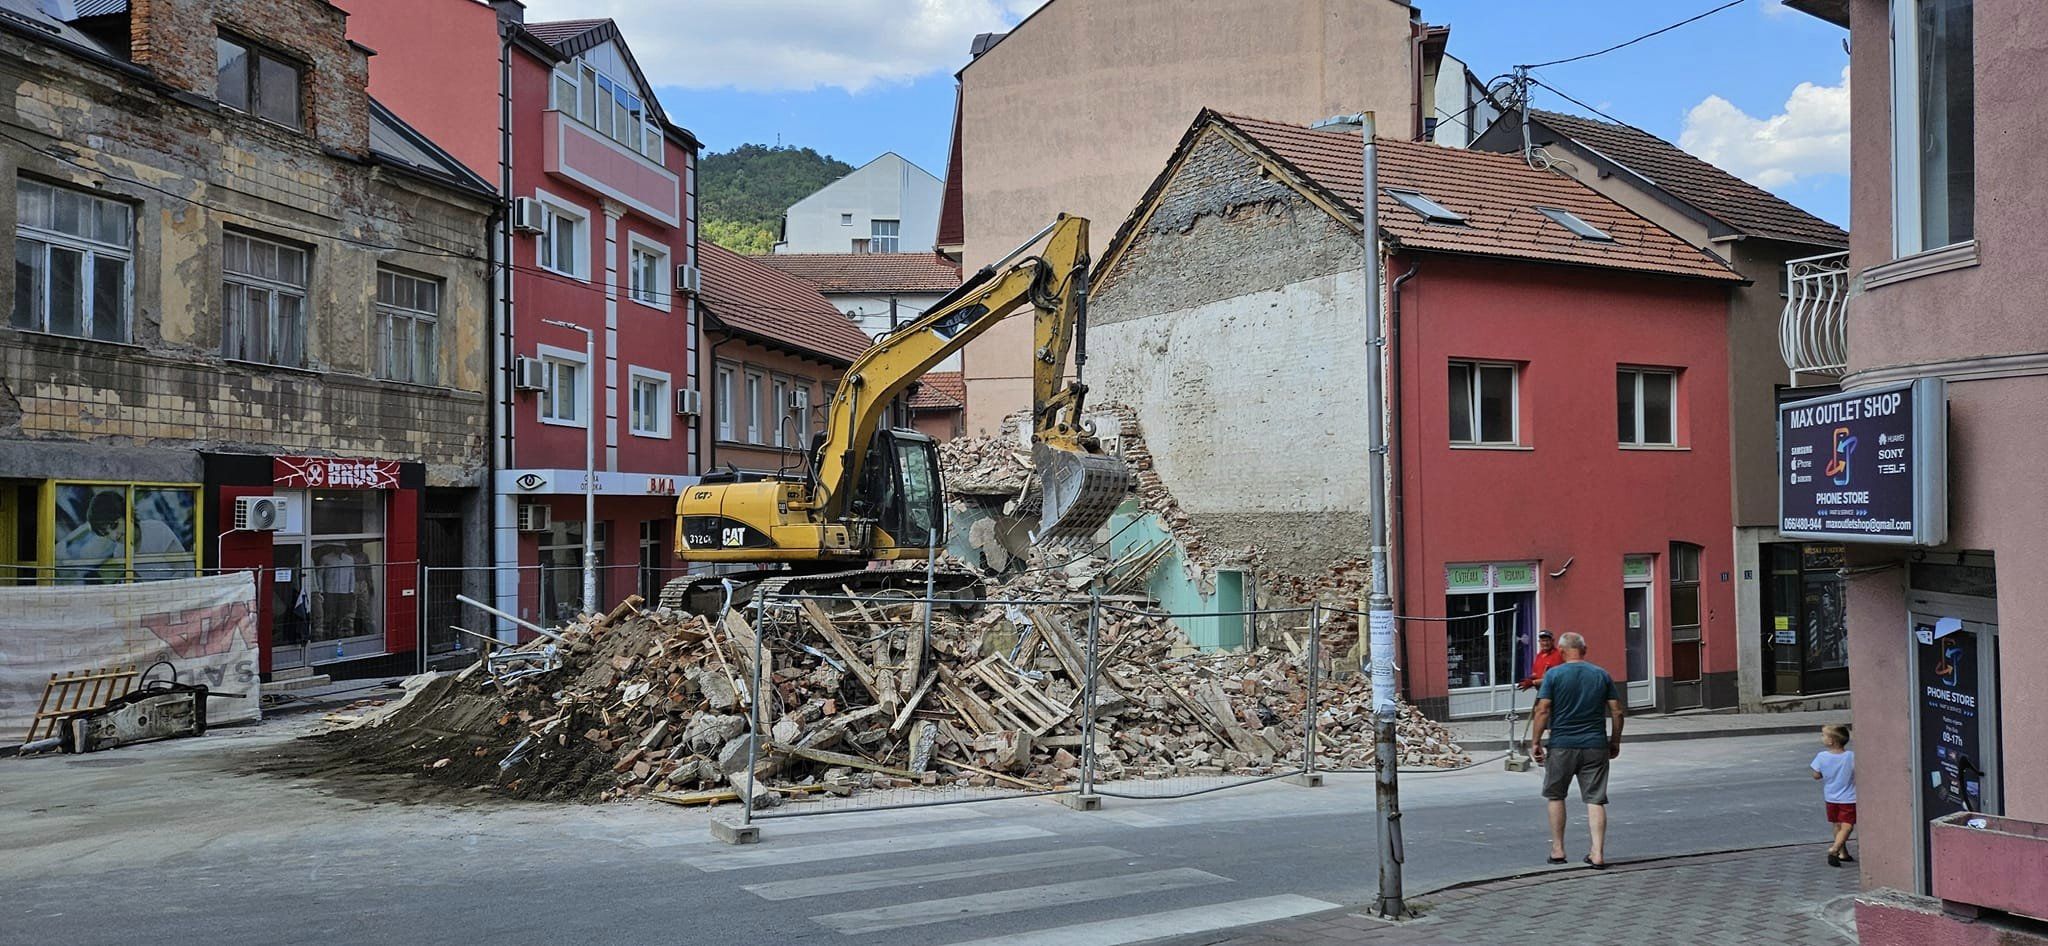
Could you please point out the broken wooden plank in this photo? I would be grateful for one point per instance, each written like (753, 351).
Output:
(841, 758)
(825, 627)
(910, 705)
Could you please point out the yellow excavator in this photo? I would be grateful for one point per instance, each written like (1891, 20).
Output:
(872, 494)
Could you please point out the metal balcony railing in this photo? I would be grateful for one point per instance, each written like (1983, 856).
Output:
(1812, 333)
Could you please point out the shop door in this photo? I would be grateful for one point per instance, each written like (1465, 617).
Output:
(1635, 606)
(1955, 712)
(290, 608)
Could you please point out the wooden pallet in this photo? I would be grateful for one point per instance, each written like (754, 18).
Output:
(76, 692)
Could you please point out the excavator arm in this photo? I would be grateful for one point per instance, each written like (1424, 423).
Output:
(1080, 486)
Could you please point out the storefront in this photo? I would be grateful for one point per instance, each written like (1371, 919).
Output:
(542, 578)
(1805, 631)
(91, 532)
(1490, 623)
(337, 556)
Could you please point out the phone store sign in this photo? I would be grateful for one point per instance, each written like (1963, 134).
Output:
(1866, 466)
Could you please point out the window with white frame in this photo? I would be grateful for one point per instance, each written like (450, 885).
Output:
(809, 420)
(614, 108)
(73, 262)
(724, 393)
(1646, 407)
(563, 239)
(754, 413)
(1484, 403)
(649, 402)
(883, 235)
(645, 265)
(1934, 159)
(408, 326)
(778, 395)
(263, 298)
(564, 393)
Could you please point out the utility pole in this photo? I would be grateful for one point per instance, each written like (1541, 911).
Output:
(1380, 606)
(589, 467)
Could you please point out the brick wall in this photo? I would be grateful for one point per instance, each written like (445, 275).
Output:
(175, 40)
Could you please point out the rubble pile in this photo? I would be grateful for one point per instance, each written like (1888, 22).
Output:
(984, 466)
(657, 703)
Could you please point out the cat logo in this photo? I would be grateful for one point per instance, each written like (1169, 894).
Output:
(735, 537)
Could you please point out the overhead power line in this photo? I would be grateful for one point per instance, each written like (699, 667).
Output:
(1656, 32)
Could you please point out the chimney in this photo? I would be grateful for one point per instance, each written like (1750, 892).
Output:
(509, 11)
(174, 39)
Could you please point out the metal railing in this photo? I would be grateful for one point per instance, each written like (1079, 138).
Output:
(1813, 331)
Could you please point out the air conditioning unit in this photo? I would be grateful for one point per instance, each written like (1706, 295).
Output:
(799, 399)
(529, 374)
(533, 517)
(689, 280)
(264, 514)
(528, 216)
(689, 402)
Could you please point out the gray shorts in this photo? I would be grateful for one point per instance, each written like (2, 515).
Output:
(1588, 765)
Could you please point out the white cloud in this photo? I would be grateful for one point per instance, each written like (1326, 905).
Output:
(794, 45)
(1810, 136)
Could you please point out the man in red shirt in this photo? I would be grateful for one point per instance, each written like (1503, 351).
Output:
(1547, 656)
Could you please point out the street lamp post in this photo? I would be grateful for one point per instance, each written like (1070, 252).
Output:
(589, 467)
(1380, 606)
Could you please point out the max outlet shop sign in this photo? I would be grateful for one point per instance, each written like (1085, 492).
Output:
(1866, 466)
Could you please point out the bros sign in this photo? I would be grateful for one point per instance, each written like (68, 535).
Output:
(1866, 466)
(333, 473)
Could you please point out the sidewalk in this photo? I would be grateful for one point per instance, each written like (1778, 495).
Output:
(1771, 895)
(1480, 735)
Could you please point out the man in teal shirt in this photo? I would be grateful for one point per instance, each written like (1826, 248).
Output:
(1575, 703)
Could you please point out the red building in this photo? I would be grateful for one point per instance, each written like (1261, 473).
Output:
(1561, 367)
(596, 330)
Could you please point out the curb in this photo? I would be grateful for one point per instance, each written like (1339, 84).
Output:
(1787, 729)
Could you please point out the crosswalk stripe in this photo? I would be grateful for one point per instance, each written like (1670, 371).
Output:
(836, 821)
(930, 873)
(1217, 916)
(1009, 901)
(770, 855)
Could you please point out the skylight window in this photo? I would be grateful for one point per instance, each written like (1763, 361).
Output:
(1428, 209)
(1585, 230)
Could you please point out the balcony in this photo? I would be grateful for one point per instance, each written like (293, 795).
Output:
(579, 153)
(1812, 333)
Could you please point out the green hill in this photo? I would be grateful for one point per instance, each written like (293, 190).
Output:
(742, 193)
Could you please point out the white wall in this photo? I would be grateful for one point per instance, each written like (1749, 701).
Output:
(872, 314)
(887, 188)
(1461, 109)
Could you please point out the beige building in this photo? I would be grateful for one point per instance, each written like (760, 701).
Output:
(1078, 107)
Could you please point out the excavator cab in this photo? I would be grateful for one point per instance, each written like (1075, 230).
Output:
(899, 491)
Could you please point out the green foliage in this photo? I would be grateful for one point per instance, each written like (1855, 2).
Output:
(750, 239)
(743, 192)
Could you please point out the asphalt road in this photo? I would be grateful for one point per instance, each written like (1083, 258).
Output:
(162, 843)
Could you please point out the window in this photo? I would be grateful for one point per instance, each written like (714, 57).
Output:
(108, 533)
(1646, 407)
(613, 108)
(653, 572)
(562, 240)
(724, 394)
(73, 262)
(1934, 160)
(754, 413)
(883, 235)
(257, 81)
(408, 320)
(1570, 221)
(263, 300)
(563, 399)
(561, 570)
(778, 394)
(645, 266)
(1489, 632)
(1428, 209)
(846, 220)
(650, 402)
(1483, 403)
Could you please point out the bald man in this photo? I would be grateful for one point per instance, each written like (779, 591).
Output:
(1574, 703)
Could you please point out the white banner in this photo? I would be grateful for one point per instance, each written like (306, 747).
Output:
(205, 628)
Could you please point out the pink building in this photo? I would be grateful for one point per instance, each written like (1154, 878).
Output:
(1944, 286)
(599, 237)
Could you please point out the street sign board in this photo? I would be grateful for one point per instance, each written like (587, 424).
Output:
(1866, 466)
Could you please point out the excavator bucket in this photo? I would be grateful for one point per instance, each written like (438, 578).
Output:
(1077, 491)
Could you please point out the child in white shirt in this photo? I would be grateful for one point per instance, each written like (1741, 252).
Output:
(1835, 767)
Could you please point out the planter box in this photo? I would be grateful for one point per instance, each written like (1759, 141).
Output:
(2001, 866)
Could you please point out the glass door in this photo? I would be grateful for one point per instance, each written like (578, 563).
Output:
(291, 607)
(1956, 741)
(1636, 638)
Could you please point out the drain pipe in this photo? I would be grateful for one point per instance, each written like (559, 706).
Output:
(1399, 511)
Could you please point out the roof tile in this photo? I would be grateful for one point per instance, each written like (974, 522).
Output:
(1498, 194)
(940, 390)
(1734, 201)
(768, 303)
(870, 272)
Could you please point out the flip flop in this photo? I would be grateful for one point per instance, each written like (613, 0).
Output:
(1557, 860)
(1589, 863)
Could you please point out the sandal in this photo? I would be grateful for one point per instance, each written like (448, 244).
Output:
(1558, 860)
(1600, 866)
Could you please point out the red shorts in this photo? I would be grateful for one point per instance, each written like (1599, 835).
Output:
(1841, 814)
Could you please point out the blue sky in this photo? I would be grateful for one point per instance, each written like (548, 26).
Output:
(1757, 89)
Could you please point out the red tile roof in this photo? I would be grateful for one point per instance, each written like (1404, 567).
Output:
(870, 272)
(940, 390)
(1738, 203)
(1498, 195)
(772, 306)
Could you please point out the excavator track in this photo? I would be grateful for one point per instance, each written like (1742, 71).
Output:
(704, 594)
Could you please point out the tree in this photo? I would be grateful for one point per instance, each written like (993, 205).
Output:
(747, 238)
(743, 192)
